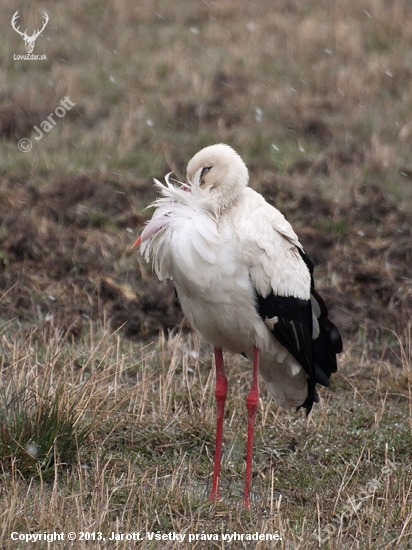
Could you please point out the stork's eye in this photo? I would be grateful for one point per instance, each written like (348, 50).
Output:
(203, 173)
(205, 170)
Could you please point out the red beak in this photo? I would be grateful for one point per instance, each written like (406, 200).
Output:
(137, 242)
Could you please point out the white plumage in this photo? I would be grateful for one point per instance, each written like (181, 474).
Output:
(241, 275)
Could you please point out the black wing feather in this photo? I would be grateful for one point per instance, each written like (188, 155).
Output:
(294, 330)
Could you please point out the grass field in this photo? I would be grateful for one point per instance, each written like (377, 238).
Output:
(107, 411)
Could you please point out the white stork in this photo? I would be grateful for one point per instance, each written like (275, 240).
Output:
(244, 282)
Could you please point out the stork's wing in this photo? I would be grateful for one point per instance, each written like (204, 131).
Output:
(281, 274)
(327, 341)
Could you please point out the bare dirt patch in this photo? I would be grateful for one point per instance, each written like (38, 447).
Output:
(62, 257)
(60, 252)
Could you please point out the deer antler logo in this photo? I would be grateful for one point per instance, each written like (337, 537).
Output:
(28, 40)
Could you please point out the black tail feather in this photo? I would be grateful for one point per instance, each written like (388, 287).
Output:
(326, 345)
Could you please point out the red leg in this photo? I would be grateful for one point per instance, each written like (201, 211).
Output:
(252, 405)
(220, 394)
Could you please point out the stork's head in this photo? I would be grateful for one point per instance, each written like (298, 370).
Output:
(220, 173)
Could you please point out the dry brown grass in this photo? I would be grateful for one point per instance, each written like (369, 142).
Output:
(342, 476)
(316, 97)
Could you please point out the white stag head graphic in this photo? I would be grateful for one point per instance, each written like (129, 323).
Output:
(28, 40)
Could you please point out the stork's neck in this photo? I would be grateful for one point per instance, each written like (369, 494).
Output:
(227, 196)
